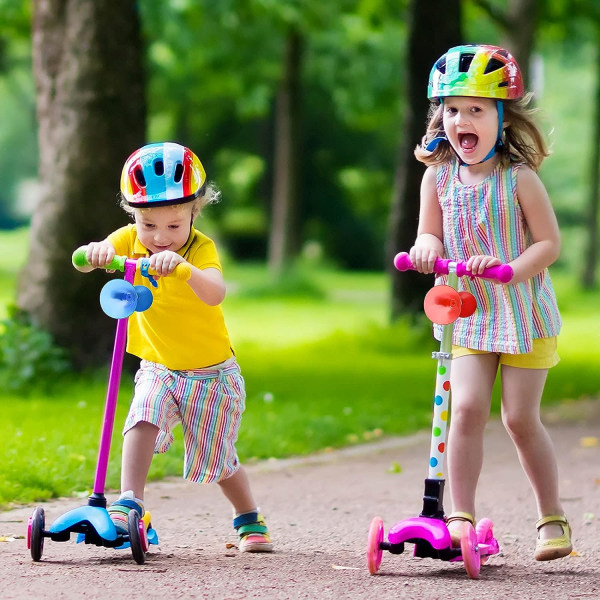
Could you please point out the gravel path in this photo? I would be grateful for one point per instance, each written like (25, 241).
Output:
(319, 511)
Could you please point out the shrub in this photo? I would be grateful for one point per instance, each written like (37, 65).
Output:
(28, 356)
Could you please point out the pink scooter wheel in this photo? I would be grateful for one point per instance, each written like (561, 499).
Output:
(375, 538)
(143, 535)
(470, 550)
(29, 527)
(485, 535)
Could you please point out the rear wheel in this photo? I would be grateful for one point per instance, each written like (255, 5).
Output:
(485, 535)
(374, 540)
(35, 533)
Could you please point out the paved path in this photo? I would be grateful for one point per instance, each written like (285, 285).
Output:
(319, 512)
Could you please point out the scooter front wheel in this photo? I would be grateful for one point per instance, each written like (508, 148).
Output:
(35, 533)
(470, 550)
(138, 540)
(374, 540)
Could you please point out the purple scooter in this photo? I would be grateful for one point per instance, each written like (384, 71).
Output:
(119, 299)
(429, 531)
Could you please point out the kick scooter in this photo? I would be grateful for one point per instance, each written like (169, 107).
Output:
(429, 531)
(119, 299)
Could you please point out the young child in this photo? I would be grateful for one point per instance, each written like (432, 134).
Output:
(482, 201)
(188, 372)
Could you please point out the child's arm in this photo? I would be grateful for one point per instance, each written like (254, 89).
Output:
(429, 243)
(207, 284)
(98, 254)
(542, 224)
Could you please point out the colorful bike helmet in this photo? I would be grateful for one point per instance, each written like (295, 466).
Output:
(162, 174)
(476, 70)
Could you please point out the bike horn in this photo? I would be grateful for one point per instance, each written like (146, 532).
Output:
(442, 305)
(120, 299)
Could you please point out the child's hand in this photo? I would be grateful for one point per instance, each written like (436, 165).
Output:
(480, 262)
(164, 263)
(99, 254)
(423, 258)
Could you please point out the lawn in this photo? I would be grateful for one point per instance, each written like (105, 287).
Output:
(322, 371)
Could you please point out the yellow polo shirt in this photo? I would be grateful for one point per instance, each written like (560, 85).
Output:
(178, 330)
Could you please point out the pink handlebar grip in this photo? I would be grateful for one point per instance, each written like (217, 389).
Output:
(503, 273)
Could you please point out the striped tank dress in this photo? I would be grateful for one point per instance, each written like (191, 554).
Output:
(486, 218)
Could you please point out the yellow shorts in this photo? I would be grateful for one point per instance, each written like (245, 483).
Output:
(543, 355)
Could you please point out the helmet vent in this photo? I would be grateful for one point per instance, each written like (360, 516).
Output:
(493, 65)
(178, 172)
(159, 168)
(465, 62)
(138, 174)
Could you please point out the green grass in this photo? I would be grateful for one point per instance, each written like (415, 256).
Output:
(322, 371)
(13, 253)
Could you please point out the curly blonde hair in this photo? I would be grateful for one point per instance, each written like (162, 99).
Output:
(210, 195)
(522, 140)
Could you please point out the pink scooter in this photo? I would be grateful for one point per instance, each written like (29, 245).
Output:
(119, 299)
(429, 531)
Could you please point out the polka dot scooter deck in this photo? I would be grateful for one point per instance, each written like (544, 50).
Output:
(429, 531)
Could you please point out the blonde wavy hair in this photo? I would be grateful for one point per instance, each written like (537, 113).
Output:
(522, 139)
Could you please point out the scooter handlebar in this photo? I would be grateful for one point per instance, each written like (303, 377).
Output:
(503, 273)
(182, 271)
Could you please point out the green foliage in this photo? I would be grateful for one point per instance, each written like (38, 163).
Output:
(28, 357)
(213, 70)
(295, 283)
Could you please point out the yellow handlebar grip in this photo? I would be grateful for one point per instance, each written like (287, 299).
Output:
(183, 271)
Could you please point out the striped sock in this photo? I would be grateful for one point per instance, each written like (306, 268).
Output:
(119, 510)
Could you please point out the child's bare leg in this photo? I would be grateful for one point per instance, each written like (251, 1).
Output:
(521, 396)
(138, 450)
(237, 490)
(472, 380)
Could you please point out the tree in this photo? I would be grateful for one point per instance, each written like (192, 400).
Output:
(283, 239)
(434, 26)
(91, 115)
(518, 23)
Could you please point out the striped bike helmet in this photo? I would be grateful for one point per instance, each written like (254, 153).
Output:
(479, 71)
(162, 174)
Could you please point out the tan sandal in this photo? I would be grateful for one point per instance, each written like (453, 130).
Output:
(458, 516)
(557, 547)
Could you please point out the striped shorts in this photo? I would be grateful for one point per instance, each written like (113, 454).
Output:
(208, 403)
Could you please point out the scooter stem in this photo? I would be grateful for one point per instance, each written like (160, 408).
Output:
(114, 379)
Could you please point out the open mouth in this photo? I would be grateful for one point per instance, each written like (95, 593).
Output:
(467, 141)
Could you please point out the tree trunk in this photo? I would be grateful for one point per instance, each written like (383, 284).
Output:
(591, 256)
(283, 240)
(434, 26)
(518, 22)
(519, 35)
(87, 59)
